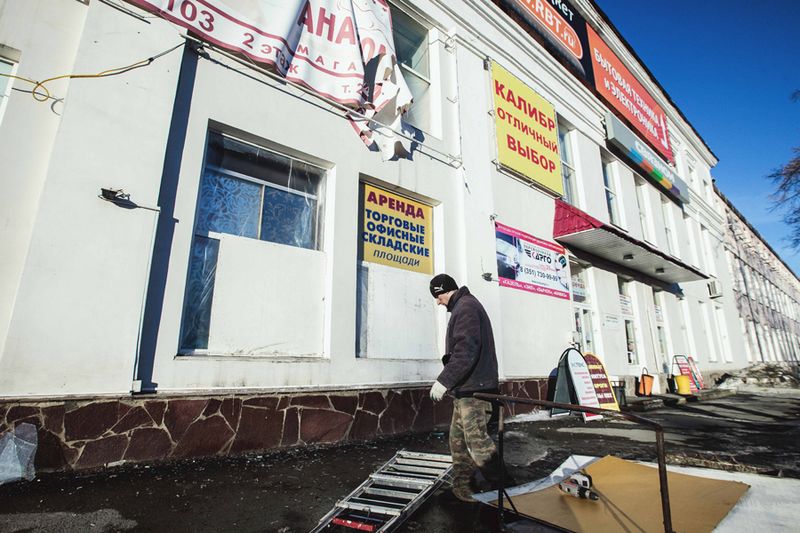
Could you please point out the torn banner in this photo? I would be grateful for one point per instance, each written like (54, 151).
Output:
(341, 49)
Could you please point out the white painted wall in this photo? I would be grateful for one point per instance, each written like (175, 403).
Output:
(79, 296)
(45, 36)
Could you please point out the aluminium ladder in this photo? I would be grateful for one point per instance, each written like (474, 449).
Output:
(390, 495)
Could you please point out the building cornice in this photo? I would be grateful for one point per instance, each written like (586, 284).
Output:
(493, 16)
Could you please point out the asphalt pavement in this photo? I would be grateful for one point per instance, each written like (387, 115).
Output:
(289, 491)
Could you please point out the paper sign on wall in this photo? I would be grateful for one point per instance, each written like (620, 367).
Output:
(531, 264)
(396, 231)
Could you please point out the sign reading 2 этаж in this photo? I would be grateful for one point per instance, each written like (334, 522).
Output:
(397, 231)
(531, 264)
(526, 130)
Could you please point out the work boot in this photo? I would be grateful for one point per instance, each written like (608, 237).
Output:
(488, 476)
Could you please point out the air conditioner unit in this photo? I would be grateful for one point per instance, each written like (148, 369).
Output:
(714, 288)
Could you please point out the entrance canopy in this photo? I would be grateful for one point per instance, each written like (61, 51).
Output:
(577, 229)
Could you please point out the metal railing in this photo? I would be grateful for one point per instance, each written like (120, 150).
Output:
(505, 401)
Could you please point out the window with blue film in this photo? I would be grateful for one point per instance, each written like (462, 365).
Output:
(199, 293)
(251, 192)
(287, 218)
(228, 205)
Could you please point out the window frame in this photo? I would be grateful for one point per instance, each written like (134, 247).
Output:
(5, 95)
(643, 206)
(613, 204)
(188, 307)
(669, 234)
(429, 123)
(569, 173)
(318, 197)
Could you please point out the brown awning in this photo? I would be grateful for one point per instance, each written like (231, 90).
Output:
(574, 228)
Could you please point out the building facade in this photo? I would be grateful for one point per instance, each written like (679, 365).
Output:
(766, 292)
(202, 258)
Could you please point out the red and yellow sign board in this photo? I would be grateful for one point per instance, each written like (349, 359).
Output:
(397, 231)
(527, 131)
(602, 385)
(620, 88)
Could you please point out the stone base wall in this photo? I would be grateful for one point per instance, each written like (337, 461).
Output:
(83, 434)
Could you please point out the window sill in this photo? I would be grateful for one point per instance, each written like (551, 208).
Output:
(273, 358)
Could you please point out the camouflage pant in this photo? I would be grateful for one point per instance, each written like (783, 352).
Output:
(470, 444)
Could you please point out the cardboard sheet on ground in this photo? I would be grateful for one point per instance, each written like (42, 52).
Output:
(630, 500)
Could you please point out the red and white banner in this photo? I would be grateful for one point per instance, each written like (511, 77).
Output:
(315, 43)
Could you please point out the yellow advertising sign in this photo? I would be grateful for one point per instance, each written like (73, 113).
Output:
(397, 231)
(527, 131)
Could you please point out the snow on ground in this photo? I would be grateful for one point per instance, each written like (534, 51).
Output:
(769, 505)
(535, 416)
(762, 378)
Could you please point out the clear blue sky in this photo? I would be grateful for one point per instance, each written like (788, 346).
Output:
(731, 66)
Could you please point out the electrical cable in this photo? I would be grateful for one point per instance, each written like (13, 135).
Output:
(44, 96)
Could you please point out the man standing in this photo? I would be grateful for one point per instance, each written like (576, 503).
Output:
(470, 366)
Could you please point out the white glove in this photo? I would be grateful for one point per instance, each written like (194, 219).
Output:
(437, 391)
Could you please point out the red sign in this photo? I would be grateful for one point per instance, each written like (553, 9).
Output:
(620, 88)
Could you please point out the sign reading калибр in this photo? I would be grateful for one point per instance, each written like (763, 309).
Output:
(397, 231)
(527, 131)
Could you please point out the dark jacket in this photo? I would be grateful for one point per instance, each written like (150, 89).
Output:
(472, 364)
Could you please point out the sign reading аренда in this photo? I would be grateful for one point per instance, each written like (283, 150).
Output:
(397, 231)
(526, 130)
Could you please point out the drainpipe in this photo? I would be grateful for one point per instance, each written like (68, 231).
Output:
(165, 227)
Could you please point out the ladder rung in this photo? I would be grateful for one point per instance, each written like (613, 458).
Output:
(420, 462)
(397, 481)
(417, 469)
(369, 507)
(362, 498)
(393, 493)
(425, 478)
(427, 456)
(353, 524)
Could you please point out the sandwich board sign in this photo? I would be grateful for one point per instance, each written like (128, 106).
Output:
(578, 388)
(698, 377)
(563, 392)
(684, 365)
(602, 385)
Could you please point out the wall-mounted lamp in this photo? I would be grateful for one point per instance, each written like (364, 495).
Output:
(121, 198)
(114, 195)
(659, 271)
(627, 257)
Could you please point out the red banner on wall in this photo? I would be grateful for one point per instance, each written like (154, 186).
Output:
(620, 88)
(324, 45)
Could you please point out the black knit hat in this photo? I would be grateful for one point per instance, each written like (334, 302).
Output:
(441, 284)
